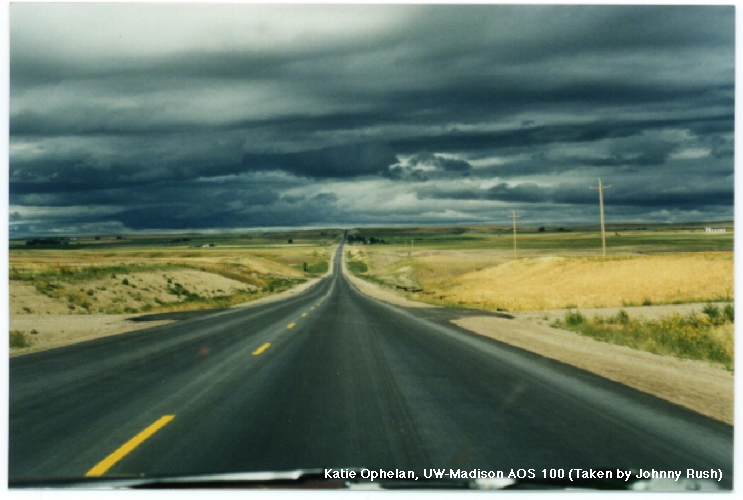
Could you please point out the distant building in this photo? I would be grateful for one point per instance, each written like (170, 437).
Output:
(714, 230)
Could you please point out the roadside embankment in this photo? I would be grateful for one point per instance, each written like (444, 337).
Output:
(292, 291)
(48, 331)
(378, 292)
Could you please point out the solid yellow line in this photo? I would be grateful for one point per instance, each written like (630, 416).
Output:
(261, 348)
(114, 457)
(291, 325)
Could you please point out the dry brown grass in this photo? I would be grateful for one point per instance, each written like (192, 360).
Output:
(588, 282)
(110, 295)
(260, 261)
(116, 281)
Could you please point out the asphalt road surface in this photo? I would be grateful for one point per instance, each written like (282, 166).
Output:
(333, 378)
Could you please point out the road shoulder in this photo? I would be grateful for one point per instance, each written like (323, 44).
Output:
(695, 385)
(59, 330)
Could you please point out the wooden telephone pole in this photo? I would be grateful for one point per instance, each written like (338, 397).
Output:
(514, 217)
(601, 204)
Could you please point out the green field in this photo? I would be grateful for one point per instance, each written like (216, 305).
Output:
(256, 239)
(620, 238)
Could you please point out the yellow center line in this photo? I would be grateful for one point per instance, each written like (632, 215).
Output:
(312, 308)
(291, 325)
(261, 348)
(114, 457)
(304, 314)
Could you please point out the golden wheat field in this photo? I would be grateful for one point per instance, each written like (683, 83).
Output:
(588, 282)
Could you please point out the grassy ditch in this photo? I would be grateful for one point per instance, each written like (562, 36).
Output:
(707, 336)
(355, 266)
(318, 268)
(312, 269)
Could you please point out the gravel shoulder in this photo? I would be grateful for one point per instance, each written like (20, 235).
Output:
(58, 330)
(696, 385)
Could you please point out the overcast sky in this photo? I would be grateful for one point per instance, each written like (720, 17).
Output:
(174, 117)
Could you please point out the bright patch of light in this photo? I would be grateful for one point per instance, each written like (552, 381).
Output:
(691, 154)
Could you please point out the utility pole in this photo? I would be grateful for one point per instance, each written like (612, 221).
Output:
(601, 204)
(514, 217)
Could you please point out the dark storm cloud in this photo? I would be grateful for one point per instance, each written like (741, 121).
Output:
(350, 160)
(148, 108)
(427, 166)
(548, 134)
(627, 194)
(447, 164)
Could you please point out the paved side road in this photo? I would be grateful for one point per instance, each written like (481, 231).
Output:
(333, 378)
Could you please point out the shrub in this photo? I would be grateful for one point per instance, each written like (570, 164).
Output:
(622, 317)
(712, 312)
(729, 313)
(66, 270)
(574, 318)
(356, 267)
(318, 268)
(125, 281)
(693, 336)
(18, 340)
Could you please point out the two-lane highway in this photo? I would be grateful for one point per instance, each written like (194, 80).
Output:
(333, 378)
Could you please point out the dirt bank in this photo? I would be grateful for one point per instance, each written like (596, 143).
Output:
(378, 292)
(292, 291)
(57, 330)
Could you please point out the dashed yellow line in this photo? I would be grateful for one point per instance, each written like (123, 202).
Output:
(304, 315)
(261, 348)
(114, 457)
(291, 325)
(312, 308)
